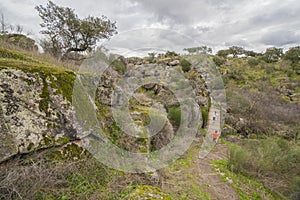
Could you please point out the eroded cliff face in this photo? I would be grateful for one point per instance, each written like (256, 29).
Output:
(33, 112)
(36, 109)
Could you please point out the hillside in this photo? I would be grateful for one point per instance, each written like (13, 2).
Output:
(43, 123)
(264, 110)
(264, 95)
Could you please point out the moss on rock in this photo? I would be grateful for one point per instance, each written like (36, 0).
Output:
(45, 98)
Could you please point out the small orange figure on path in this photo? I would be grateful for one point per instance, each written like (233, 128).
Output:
(215, 136)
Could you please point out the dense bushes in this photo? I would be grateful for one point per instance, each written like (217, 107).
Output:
(252, 62)
(275, 161)
(218, 60)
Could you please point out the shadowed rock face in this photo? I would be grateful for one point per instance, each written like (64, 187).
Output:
(32, 115)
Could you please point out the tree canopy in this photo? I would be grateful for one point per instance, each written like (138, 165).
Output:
(234, 51)
(196, 50)
(273, 54)
(293, 54)
(67, 33)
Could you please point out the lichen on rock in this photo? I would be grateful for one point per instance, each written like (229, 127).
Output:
(31, 112)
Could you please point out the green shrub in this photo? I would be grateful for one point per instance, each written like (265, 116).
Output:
(204, 112)
(170, 54)
(272, 160)
(239, 159)
(269, 69)
(296, 68)
(218, 60)
(119, 66)
(185, 65)
(115, 132)
(289, 73)
(174, 114)
(253, 62)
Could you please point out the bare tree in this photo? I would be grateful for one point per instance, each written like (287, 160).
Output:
(9, 28)
(3, 24)
(19, 29)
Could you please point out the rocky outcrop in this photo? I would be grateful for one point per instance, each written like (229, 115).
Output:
(19, 40)
(36, 109)
(33, 114)
(155, 96)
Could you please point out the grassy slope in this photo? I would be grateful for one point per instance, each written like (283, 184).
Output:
(265, 95)
(246, 187)
(273, 161)
(240, 72)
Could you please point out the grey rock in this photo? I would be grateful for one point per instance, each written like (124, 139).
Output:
(26, 122)
(174, 63)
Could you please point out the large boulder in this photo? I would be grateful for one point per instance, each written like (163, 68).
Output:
(34, 113)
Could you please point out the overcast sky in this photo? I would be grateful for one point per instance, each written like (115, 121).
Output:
(173, 24)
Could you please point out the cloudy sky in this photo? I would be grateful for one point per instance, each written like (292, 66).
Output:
(173, 24)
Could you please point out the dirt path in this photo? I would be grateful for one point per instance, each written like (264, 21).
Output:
(193, 177)
(215, 187)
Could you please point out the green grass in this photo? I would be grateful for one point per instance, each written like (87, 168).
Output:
(246, 187)
(187, 186)
(11, 54)
(273, 161)
(148, 192)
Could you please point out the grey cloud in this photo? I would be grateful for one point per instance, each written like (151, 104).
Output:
(280, 38)
(278, 15)
(176, 11)
(141, 41)
(241, 43)
(215, 23)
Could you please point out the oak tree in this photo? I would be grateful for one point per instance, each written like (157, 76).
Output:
(68, 34)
